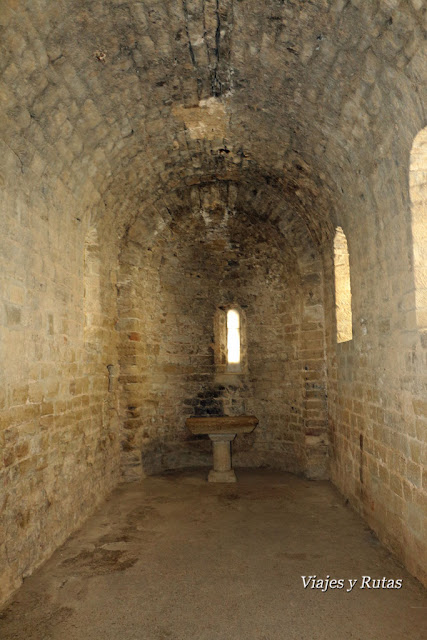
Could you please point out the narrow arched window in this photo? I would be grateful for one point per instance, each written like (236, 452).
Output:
(233, 339)
(418, 193)
(342, 287)
(230, 344)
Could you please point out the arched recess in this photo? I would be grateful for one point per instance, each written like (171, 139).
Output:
(219, 250)
(418, 194)
(342, 287)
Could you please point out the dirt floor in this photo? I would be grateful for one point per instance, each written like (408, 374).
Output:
(176, 558)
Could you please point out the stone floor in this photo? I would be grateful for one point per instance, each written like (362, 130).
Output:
(176, 558)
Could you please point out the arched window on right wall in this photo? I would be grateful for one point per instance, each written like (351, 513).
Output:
(418, 193)
(342, 287)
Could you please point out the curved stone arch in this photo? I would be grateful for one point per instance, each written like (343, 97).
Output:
(418, 195)
(256, 195)
(289, 200)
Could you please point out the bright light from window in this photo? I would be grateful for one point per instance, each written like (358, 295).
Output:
(233, 337)
(342, 287)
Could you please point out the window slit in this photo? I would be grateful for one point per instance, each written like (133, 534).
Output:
(233, 337)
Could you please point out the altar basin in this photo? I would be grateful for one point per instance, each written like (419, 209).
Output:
(221, 430)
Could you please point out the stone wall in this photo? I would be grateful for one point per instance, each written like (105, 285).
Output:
(377, 384)
(58, 435)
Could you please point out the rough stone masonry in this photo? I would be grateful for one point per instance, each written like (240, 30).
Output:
(160, 160)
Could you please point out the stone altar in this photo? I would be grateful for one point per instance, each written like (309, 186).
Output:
(221, 430)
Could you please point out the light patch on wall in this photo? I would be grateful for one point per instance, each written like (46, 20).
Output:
(208, 120)
(418, 192)
(342, 287)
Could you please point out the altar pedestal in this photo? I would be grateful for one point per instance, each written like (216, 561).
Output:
(222, 430)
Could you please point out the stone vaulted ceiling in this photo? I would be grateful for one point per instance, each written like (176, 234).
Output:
(123, 102)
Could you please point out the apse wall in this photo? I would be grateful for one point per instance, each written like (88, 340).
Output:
(170, 288)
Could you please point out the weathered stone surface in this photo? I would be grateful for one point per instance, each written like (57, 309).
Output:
(158, 159)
